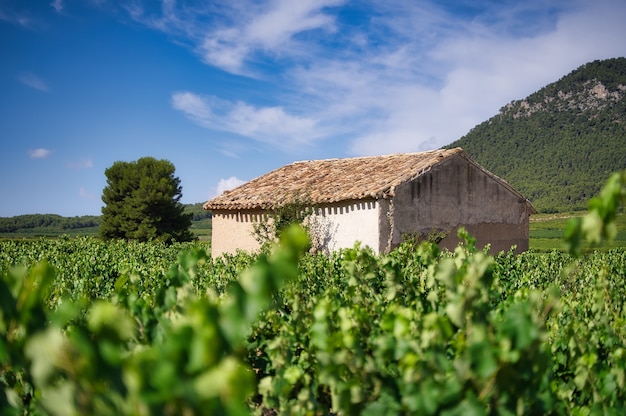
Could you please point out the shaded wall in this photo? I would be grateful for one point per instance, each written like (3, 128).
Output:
(457, 192)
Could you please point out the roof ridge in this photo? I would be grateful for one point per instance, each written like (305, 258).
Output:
(453, 150)
(331, 180)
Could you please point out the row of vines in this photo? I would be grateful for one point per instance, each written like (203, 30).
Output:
(92, 327)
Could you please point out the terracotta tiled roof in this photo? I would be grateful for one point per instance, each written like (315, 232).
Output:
(332, 180)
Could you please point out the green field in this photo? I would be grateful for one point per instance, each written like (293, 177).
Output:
(200, 228)
(89, 326)
(129, 328)
(547, 231)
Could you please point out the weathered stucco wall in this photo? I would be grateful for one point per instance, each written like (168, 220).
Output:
(457, 192)
(341, 225)
(232, 231)
(454, 193)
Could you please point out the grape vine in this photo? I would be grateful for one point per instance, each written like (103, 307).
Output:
(92, 327)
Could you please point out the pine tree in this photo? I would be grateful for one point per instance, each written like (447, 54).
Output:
(142, 202)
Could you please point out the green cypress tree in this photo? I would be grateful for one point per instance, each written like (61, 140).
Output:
(142, 202)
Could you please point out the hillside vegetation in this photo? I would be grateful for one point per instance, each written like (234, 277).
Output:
(52, 225)
(48, 224)
(560, 144)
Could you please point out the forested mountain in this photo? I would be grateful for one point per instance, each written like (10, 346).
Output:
(560, 144)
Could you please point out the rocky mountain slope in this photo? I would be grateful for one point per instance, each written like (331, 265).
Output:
(560, 144)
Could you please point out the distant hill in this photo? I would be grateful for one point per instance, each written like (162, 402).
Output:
(560, 144)
(51, 225)
(31, 225)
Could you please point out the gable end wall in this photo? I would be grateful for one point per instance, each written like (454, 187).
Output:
(458, 193)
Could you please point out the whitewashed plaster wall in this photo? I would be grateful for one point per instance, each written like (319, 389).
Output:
(334, 226)
(343, 224)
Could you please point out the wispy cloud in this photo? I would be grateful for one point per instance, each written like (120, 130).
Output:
(228, 184)
(82, 163)
(271, 31)
(18, 18)
(33, 81)
(39, 153)
(265, 124)
(407, 76)
(57, 5)
(229, 35)
(232, 149)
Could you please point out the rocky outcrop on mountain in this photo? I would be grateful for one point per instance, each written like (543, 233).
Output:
(558, 145)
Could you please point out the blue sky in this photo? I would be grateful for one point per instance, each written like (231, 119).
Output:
(229, 90)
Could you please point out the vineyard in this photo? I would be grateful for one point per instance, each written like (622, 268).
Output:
(93, 327)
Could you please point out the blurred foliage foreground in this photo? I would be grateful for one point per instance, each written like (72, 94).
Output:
(88, 327)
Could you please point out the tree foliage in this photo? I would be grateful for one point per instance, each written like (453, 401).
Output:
(560, 144)
(142, 202)
(33, 221)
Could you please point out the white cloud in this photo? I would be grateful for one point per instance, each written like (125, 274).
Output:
(222, 50)
(285, 18)
(417, 95)
(228, 184)
(39, 153)
(408, 76)
(194, 106)
(269, 30)
(33, 81)
(229, 34)
(265, 124)
(269, 123)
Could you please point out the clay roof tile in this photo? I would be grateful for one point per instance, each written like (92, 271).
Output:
(331, 180)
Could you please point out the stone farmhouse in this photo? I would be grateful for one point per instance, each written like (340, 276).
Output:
(379, 201)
